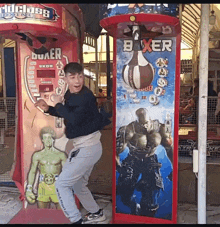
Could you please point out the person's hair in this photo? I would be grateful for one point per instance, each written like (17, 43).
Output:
(73, 68)
(196, 81)
(100, 90)
(47, 130)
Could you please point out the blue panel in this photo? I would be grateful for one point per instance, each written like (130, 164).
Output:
(114, 9)
(10, 72)
(145, 93)
(7, 184)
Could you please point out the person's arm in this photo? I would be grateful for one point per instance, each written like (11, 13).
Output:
(124, 134)
(187, 108)
(31, 176)
(78, 115)
(46, 108)
(217, 110)
(167, 142)
(71, 116)
(60, 110)
(33, 169)
(52, 111)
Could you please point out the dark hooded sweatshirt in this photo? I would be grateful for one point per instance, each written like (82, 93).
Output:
(80, 113)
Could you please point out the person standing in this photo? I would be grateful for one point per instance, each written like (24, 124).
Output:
(83, 123)
(100, 98)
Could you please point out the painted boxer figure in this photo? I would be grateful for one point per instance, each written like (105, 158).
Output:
(49, 161)
(142, 137)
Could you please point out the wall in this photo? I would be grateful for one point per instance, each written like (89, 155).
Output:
(100, 181)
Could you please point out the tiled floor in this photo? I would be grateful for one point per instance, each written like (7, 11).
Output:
(187, 214)
(10, 205)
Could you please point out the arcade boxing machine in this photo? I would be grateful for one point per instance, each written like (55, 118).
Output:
(146, 81)
(48, 36)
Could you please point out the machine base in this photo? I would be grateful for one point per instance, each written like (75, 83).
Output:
(39, 216)
(132, 219)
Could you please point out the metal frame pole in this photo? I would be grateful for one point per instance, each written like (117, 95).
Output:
(202, 128)
(108, 68)
(96, 68)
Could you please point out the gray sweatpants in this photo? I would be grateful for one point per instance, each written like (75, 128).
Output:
(74, 179)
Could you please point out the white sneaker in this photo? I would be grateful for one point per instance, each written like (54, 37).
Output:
(94, 217)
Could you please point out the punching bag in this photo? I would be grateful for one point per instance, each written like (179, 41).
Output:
(138, 73)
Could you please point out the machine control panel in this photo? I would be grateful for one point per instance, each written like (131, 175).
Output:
(43, 75)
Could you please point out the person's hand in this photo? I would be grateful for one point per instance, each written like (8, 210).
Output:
(191, 103)
(42, 104)
(118, 160)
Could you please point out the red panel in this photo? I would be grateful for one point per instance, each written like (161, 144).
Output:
(18, 175)
(69, 45)
(9, 30)
(176, 128)
(133, 219)
(39, 216)
(39, 25)
(114, 132)
(110, 22)
(111, 25)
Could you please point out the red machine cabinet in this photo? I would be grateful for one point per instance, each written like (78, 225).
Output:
(146, 81)
(47, 36)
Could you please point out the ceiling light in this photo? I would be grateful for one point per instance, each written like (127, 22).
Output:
(212, 18)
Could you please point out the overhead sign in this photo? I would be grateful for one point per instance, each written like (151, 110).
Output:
(155, 8)
(24, 11)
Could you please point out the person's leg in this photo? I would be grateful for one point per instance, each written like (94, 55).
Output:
(64, 191)
(80, 187)
(75, 169)
(95, 214)
(83, 193)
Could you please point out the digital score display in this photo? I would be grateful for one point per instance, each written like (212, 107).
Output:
(45, 73)
(45, 88)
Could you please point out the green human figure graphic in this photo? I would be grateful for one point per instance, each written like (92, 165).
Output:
(49, 162)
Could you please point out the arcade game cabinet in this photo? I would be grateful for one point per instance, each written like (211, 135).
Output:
(146, 84)
(48, 36)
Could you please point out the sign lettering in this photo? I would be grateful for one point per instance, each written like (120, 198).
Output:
(151, 45)
(54, 53)
(24, 11)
